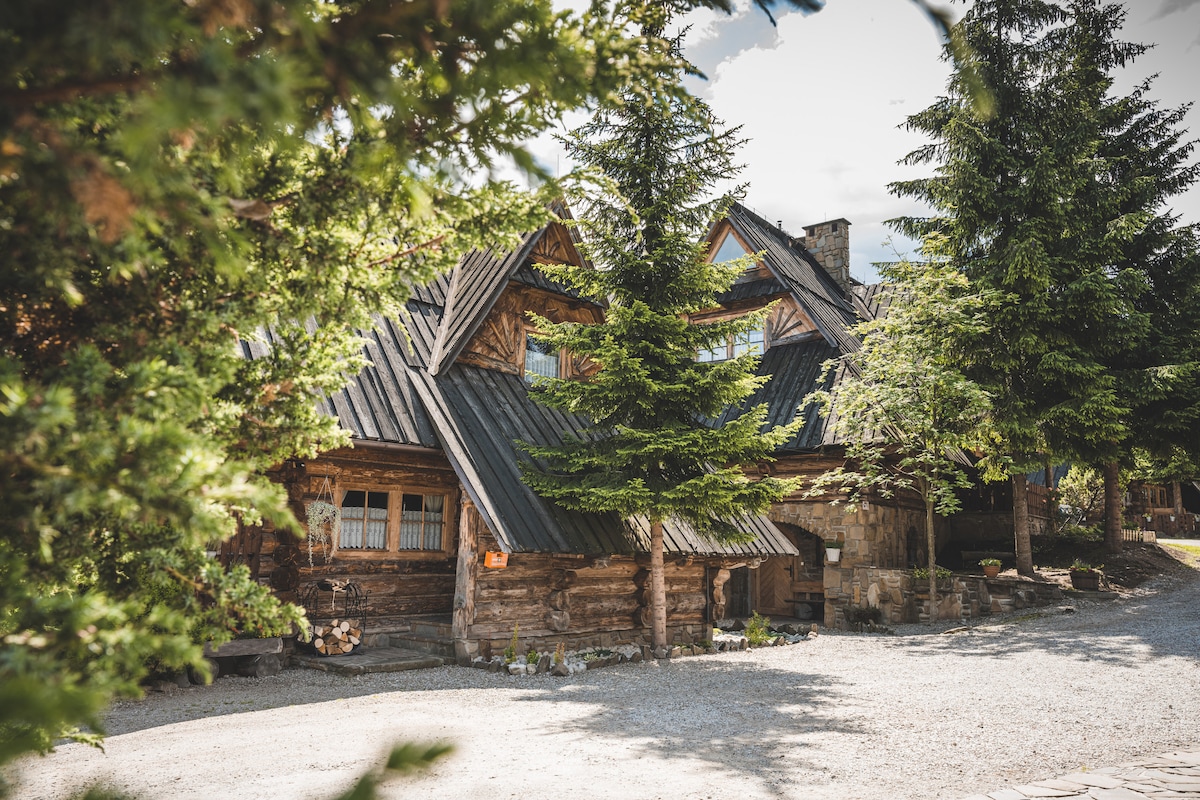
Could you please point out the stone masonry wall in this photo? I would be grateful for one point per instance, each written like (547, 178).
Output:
(902, 599)
(875, 535)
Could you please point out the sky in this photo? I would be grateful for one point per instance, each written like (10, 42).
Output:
(823, 99)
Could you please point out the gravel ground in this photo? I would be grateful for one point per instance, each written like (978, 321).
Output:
(916, 715)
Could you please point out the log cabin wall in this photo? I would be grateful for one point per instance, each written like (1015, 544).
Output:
(580, 601)
(399, 579)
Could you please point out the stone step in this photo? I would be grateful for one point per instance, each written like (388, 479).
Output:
(369, 659)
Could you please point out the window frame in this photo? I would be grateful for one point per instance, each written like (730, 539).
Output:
(528, 377)
(733, 342)
(395, 502)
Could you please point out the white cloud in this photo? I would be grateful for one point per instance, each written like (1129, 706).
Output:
(821, 97)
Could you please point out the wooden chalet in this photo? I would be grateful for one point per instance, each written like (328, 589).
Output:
(444, 548)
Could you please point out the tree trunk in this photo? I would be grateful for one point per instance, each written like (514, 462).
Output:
(658, 588)
(1051, 501)
(1177, 508)
(1020, 501)
(1114, 541)
(931, 546)
(463, 614)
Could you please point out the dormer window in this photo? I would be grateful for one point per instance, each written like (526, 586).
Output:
(541, 360)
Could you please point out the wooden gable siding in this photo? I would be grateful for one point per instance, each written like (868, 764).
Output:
(786, 321)
(500, 341)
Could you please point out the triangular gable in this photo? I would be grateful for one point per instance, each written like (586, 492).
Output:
(480, 278)
(816, 292)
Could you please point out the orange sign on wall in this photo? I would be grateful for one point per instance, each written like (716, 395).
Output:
(494, 560)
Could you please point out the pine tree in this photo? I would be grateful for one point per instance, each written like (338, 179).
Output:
(651, 448)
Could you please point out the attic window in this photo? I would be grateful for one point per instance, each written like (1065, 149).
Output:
(833, 227)
(540, 359)
(730, 249)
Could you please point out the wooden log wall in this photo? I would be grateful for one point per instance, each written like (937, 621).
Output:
(398, 584)
(580, 600)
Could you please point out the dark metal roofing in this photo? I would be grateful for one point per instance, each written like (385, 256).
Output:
(816, 292)
(870, 299)
(795, 371)
(476, 283)
(481, 413)
(380, 403)
(751, 288)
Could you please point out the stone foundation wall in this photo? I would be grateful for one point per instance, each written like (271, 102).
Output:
(900, 598)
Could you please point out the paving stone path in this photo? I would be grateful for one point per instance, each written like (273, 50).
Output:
(1173, 776)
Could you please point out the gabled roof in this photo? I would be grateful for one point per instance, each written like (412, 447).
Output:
(415, 393)
(475, 286)
(798, 271)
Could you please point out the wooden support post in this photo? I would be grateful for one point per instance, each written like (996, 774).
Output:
(464, 582)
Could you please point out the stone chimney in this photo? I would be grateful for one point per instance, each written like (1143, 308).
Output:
(830, 243)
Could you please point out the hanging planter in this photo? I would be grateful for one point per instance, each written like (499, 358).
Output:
(324, 522)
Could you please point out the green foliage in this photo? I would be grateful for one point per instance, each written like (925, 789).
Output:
(758, 630)
(403, 760)
(510, 652)
(650, 449)
(183, 183)
(985, 562)
(1079, 565)
(922, 573)
(1082, 488)
(901, 403)
(533, 657)
(560, 653)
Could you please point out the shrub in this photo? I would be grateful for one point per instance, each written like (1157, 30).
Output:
(758, 630)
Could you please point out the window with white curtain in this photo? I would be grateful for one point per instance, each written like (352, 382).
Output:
(413, 520)
(364, 520)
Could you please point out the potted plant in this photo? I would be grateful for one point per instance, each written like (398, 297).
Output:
(833, 551)
(991, 566)
(1085, 577)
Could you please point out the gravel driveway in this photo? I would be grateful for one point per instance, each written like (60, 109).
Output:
(917, 715)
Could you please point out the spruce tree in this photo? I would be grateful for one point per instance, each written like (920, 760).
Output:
(1054, 202)
(651, 448)
(1142, 261)
(997, 218)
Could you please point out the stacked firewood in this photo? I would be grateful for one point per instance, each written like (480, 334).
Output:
(337, 638)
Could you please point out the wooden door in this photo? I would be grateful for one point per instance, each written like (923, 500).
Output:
(775, 586)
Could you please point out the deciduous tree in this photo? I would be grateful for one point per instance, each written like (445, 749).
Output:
(909, 416)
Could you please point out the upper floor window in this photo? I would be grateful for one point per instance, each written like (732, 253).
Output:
(749, 342)
(540, 359)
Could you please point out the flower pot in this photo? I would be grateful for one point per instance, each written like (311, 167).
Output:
(1085, 581)
(991, 570)
(833, 554)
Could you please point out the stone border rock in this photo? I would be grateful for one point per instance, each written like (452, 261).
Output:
(576, 661)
